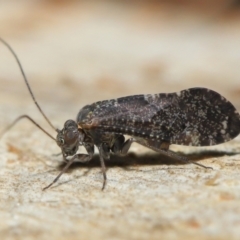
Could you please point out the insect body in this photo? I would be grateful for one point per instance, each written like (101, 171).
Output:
(194, 117)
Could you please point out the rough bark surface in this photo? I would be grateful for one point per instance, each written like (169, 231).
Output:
(85, 52)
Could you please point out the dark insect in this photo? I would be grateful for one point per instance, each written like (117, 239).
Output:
(192, 117)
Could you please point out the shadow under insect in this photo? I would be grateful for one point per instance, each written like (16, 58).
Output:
(145, 159)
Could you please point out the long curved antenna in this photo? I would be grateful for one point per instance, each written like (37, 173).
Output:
(30, 119)
(26, 81)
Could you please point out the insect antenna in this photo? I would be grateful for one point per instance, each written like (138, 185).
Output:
(30, 119)
(32, 95)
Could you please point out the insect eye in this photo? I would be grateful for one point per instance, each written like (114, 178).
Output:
(70, 124)
(70, 135)
(61, 141)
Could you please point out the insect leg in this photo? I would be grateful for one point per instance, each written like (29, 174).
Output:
(79, 158)
(104, 155)
(56, 154)
(181, 158)
(163, 148)
(121, 146)
(90, 151)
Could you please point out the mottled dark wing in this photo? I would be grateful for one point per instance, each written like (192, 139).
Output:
(196, 116)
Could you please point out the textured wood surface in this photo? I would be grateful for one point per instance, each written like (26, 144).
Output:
(84, 52)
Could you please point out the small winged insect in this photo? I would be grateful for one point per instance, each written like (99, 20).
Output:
(192, 117)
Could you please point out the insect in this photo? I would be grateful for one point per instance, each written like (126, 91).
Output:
(192, 117)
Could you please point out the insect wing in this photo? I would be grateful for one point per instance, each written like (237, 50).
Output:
(196, 116)
(210, 118)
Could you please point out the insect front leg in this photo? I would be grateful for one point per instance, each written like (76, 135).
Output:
(121, 146)
(90, 151)
(79, 158)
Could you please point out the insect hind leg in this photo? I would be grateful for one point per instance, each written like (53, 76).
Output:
(163, 148)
